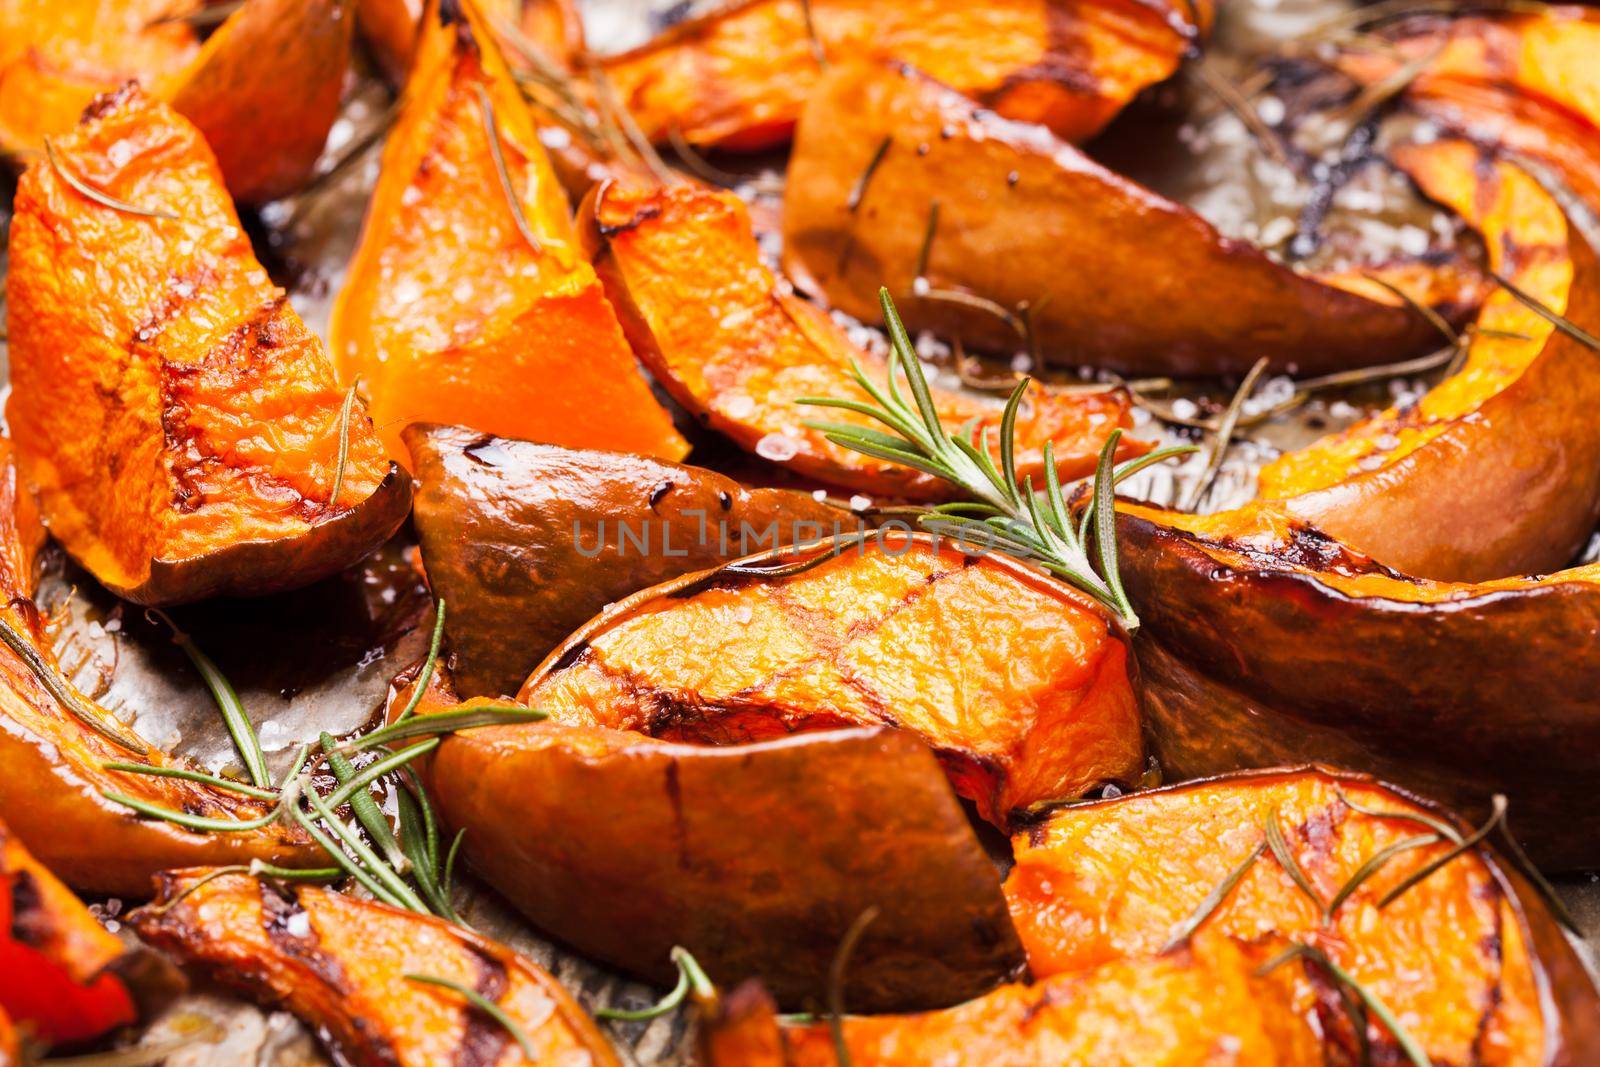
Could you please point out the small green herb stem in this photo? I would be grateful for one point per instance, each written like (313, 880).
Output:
(485, 1005)
(690, 976)
(446, 722)
(353, 788)
(425, 676)
(365, 859)
(213, 780)
(240, 728)
(1408, 1044)
(193, 822)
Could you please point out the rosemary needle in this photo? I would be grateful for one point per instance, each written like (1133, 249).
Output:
(690, 977)
(344, 444)
(426, 674)
(836, 975)
(497, 153)
(89, 192)
(485, 1005)
(240, 728)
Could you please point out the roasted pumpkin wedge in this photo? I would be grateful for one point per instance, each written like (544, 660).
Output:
(1200, 1006)
(264, 88)
(738, 77)
(735, 346)
(968, 218)
(64, 978)
(366, 976)
(468, 301)
(1525, 81)
(1417, 910)
(527, 542)
(757, 857)
(1017, 682)
(1316, 632)
(182, 426)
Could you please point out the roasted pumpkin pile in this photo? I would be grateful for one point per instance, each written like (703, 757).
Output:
(866, 534)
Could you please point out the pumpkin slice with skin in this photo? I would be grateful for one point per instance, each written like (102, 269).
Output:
(1469, 958)
(733, 344)
(526, 542)
(340, 964)
(182, 426)
(1198, 1007)
(451, 313)
(264, 88)
(1019, 683)
(64, 978)
(1024, 219)
(757, 857)
(717, 708)
(737, 78)
(1317, 632)
(55, 742)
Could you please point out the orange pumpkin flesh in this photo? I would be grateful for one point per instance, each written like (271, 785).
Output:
(1197, 1007)
(340, 964)
(735, 346)
(450, 313)
(181, 424)
(1469, 958)
(738, 78)
(1019, 686)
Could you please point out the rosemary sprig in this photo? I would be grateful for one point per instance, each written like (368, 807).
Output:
(1006, 511)
(928, 234)
(1420, 818)
(344, 444)
(485, 1005)
(89, 192)
(1403, 1038)
(240, 728)
(414, 855)
(691, 976)
(1538, 307)
(836, 972)
(859, 190)
(425, 675)
(68, 698)
(497, 153)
